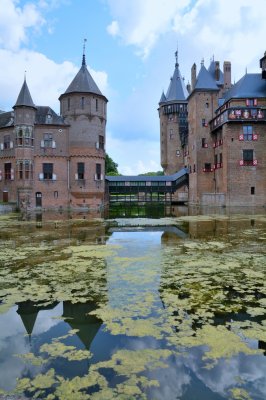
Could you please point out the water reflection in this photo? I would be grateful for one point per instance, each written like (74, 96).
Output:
(119, 292)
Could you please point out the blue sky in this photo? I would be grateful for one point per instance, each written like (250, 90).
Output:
(130, 53)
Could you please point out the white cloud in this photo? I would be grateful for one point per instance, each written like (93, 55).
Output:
(142, 22)
(16, 21)
(113, 28)
(135, 156)
(46, 79)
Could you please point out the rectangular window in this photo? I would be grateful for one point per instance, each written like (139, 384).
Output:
(252, 190)
(82, 102)
(101, 142)
(204, 143)
(8, 167)
(27, 169)
(96, 104)
(48, 140)
(248, 132)
(248, 157)
(221, 158)
(98, 171)
(28, 138)
(19, 137)
(48, 171)
(207, 167)
(20, 170)
(81, 170)
(203, 122)
(171, 134)
(7, 142)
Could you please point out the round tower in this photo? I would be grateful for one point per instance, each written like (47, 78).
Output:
(83, 108)
(173, 123)
(22, 172)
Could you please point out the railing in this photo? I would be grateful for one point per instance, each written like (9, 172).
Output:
(235, 114)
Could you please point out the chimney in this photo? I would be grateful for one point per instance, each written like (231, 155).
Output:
(263, 66)
(227, 74)
(193, 76)
(217, 71)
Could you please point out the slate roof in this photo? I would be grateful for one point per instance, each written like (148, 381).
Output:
(249, 86)
(6, 119)
(163, 98)
(205, 80)
(83, 82)
(24, 97)
(45, 115)
(177, 89)
(145, 178)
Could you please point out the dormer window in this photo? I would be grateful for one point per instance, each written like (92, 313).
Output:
(251, 102)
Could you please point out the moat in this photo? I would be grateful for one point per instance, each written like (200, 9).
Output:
(147, 303)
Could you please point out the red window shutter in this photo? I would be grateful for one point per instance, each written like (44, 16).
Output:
(255, 136)
(255, 162)
(241, 162)
(241, 137)
(255, 102)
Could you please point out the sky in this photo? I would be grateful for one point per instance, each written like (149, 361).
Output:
(130, 54)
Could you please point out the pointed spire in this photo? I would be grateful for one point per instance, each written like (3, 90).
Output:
(83, 81)
(24, 97)
(83, 56)
(177, 89)
(176, 56)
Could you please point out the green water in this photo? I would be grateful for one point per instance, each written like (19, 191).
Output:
(168, 308)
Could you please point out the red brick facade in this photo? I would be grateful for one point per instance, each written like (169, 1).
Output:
(52, 161)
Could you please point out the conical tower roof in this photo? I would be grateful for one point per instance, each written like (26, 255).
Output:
(83, 82)
(24, 97)
(205, 81)
(163, 98)
(177, 89)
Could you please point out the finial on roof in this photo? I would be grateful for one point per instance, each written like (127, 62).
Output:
(202, 62)
(25, 75)
(176, 56)
(83, 57)
(246, 70)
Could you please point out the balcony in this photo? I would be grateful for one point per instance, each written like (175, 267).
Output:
(238, 114)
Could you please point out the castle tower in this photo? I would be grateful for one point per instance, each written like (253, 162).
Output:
(202, 103)
(83, 107)
(173, 123)
(24, 120)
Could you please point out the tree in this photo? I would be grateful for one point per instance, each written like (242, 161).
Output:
(110, 166)
(157, 173)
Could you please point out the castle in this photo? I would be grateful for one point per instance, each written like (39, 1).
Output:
(218, 132)
(55, 161)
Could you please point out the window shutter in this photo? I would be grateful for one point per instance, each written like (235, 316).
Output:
(42, 143)
(54, 177)
(76, 177)
(101, 177)
(0, 175)
(241, 137)
(53, 144)
(11, 144)
(255, 102)
(255, 136)
(41, 176)
(97, 145)
(12, 174)
(95, 177)
(2, 146)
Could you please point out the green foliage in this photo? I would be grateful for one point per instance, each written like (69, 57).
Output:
(110, 166)
(157, 173)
